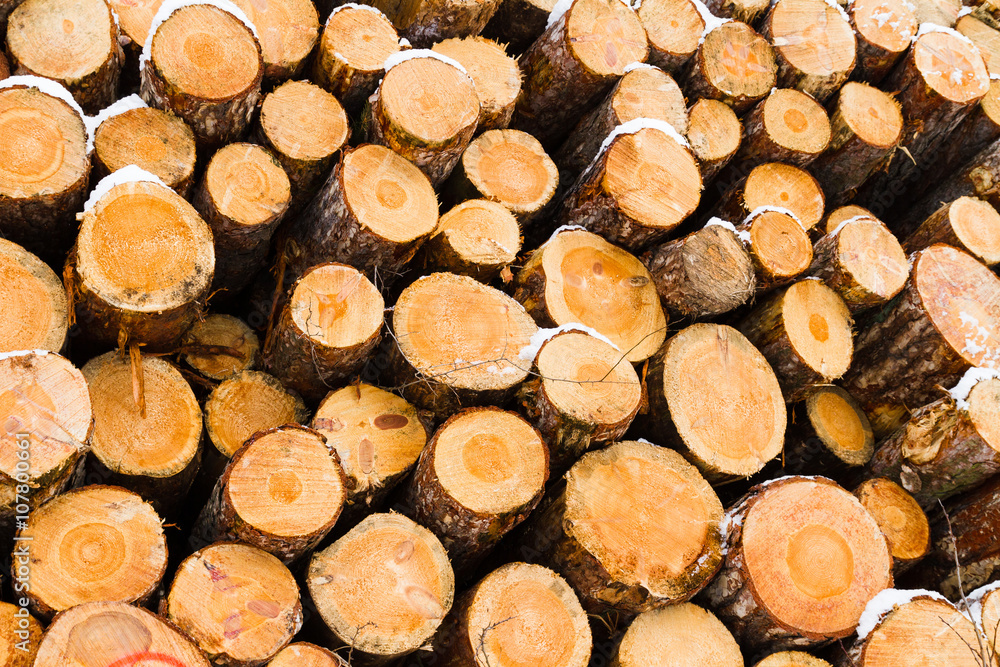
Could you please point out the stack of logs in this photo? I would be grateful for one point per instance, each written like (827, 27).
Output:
(494, 334)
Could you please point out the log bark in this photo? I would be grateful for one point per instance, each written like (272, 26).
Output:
(674, 29)
(967, 223)
(747, 11)
(989, 622)
(426, 22)
(304, 654)
(288, 32)
(33, 300)
(687, 633)
(20, 635)
(777, 245)
(496, 75)
(786, 126)
(792, 659)
(772, 185)
(901, 520)
(827, 434)
(735, 65)
(220, 346)
(714, 133)
(884, 30)
(477, 238)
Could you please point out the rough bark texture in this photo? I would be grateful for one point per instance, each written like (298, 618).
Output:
(874, 61)
(747, 11)
(518, 23)
(428, 21)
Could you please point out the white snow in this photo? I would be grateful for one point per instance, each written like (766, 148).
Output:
(128, 174)
(634, 66)
(964, 11)
(560, 8)
(960, 392)
(643, 440)
(402, 56)
(564, 228)
(404, 43)
(772, 209)
(354, 5)
(636, 124)
(885, 602)
(741, 235)
(171, 6)
(540, 337)
(21, 353)
(864, 217)
(975, 599)
(711, 20)
(121, 106)
(840, 10)
(928, 27)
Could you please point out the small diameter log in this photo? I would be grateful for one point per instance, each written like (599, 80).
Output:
(425, 109)
(288, 30)
(281, 492)
(245, 623)
(714, 395)
(578, 277)
(425, 22)
(457, 344)
(489, 625)
(220, 346)
(884, 30)
(778, 246)
(804, 558)
(945, 321)
(635, 527)
(93, 544)
(134, 20)
(947, 447)
(408, 588)
(74, 42)
(477, 238)
(477, 479)
(863, 262)
(496, 75)
(703, 274)
(328, 327)
(583, 392)
(644, 183)
(509, 167)
(142, 265)
(108, 633)
(20, 636)
(901, 519)
(747, 11)
(814, 45)
(735, 65)
(33, 301)
(827, 433)
(303, 654)
(683, 635)
(304, 126)
(674, 29)
(377, 435)
(786, 126)
(644, 92)
(574, 64)
(373, 212)
(205, 65)
(867, 126)
(714, 133)
(968, 223)
(774, 185)
(148, 433)
(43, 142)
(792, 659)
(152, 139)
(243, 197)
(355, 43)
(840, 215)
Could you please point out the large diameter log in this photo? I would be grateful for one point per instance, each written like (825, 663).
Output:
(496, 75)
(204, 64)
(714, 133)
(635, 527)
(901, 519)
(734, 64)
(683, 635)
(578, 277)
(773, 185)
(489, 624)
(74, 42)
(827, 433)
(804, 558)
(674, 29)
(884, 30)
(33, 300)
(288, 30)
(409, 587)
(944, 322)
(142, 265)
(967, 223)
(20, 636)
(478, 238)
(304, 654)
(786, 126)
(457, 343)
(778, 246)
(425, 22)
(220, 346)
(93, 544)
(577, 60)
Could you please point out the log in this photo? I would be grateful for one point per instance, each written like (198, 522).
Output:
(456, 344)
(862, 261)
(93, 544)
(777, 245)
(900, 518)
(330, 324)
(969, 224)
(353, 48)
(4, 66)
(33, 300)
(933, 328)
(148, 433)
(792, 659)
(490, 623)
(141, 266)
(683, 634)
(409, 588)
(786, 126)
(20, 635)
(643, 184)
(288, 31)
(985, 37)
(989, 613)
(827, 433)
(773, 185)
(205, 65)
(428, 21)
(518, 23)
(634, 527)
(304, 654)
(867, 127)
(578, 277)
(704, 274)
(478, 478)
(574, 64)
(105, 633)
(377, 435)
(496, 75)
(747, 11)
(714, 133)
(839, 215)
(814, 45)
(509, 167)
(804, 558)
(699, 402)
(582, 393)
(425, 109)
(281, 492)
(939, 12)
(884, 30)
(478, 238)
(244, 620)
(220, 346)
(643, 92)
(45, 138)
(735, 65)
(674, 29)
(304, 126)
(74, 42)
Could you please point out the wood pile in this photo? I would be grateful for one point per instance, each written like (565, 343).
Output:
(513, 333)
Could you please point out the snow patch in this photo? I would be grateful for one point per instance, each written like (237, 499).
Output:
(927, 27)
(964, 11)
(719, 222)
(857, 218)
(960, 392)
(404, 43)
(771, 209)
(22, 353)
(883, 603)
(561, 7)
(121, 106)
(170, 6)
(975, 599)
(127, 174)
(53, 89)
(637, 65)
(711, 20)
(354, 5)
(542, 336)
(565, 228)
(402, 56)
(840, 10)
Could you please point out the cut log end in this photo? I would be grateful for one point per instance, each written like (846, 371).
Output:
(477, 238)
(872, 115)
(779, 246)
(819, 327)
(20, 636)
(887, 24)
(510, 167)
(841, 424)
(900, 637)
(249, 189)
(33, 301)
(796, 122)
(901, 519)
(604, 37)
(785, 186)
(288, 31)
(220, 346)
(303, 654)
(840, 215)
(683, 634)
(871, 265)
(352, 50)
(792, 659)
(496, 75)
(646, 92)
(674, 29)
(989, 603)
(737, 64)
(968, 223)
(714, 132)
(951, 67)
(814, 43)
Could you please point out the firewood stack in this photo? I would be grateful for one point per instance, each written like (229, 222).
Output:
(505, 333)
